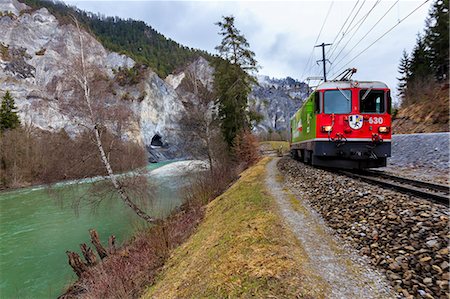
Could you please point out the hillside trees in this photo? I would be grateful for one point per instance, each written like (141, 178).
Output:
(9, 119)
(233, 78)
(437, 39)
(428, 64)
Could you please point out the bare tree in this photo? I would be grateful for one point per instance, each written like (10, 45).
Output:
(89, 102)
(200, 122)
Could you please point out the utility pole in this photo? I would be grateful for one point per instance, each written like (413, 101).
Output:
(323, 45)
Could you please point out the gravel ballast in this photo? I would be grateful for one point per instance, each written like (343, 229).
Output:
(405, 237)
(346, 273)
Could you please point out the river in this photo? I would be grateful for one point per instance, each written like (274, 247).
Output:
(36, 230)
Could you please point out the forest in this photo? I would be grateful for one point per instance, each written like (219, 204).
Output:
(424, 72)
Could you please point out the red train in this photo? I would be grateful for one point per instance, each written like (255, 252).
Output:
(345, 124)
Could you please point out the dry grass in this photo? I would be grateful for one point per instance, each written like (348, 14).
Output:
(126, 273)
(278, 145)
(426, 109)
(241, 249)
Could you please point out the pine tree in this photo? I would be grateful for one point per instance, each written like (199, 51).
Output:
(8, 113)
(404, 70)
(437, 39)
(420, 67)
(233, 79)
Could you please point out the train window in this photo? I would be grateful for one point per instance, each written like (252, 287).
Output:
(372, 101)
(317, 102)
(389, 102)
(337, 101)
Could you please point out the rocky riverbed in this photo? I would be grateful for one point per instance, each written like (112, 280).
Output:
(405, 237)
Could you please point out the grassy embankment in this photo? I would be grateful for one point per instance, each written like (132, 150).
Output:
(277, 145)
(241, 249)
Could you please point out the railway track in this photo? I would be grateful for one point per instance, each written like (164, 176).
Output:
(435, 192)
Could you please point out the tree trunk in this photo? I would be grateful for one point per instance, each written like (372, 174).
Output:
(93, 117)
(115, 183)
(88, 254)
(98, 245)
(112, 244)
(76, 263)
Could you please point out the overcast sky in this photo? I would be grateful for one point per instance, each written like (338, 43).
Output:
(282, 33)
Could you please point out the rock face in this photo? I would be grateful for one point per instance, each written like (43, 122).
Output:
(36, 51)
(277, 100)
(36, 56)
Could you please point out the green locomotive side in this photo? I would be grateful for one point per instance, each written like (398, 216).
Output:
(303, 122)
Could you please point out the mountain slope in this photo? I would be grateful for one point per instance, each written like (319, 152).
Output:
(36, 56)
(130, 37)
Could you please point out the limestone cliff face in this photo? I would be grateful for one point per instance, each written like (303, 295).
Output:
(277, 100)
(35, 53)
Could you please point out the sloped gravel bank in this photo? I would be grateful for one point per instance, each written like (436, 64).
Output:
(407, 238)
(422, 156)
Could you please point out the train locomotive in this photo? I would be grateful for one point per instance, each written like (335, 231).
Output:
(343, 124)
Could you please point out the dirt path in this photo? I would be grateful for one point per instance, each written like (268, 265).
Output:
(347, 274)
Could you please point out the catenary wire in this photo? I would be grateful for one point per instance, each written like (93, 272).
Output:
(344, 34)
(318, 36)
(364, 36)
(361, 22)
(383, 35)
(342, 27)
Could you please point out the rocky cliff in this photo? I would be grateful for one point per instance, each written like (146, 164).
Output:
(277, 100)
(36, 52)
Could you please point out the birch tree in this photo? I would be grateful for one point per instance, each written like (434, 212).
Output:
(86, 102)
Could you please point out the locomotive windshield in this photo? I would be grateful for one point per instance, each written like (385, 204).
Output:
(372, 101)
(337, 101)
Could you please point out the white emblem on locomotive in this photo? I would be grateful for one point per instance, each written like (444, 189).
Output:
(355, 121)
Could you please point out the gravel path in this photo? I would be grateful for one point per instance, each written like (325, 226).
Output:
(405, 237)
(346, 272)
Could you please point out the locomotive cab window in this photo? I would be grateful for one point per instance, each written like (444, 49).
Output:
(337, 101)
(372, 101)
(317, 102)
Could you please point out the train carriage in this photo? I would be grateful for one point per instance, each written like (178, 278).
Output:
(345, 124)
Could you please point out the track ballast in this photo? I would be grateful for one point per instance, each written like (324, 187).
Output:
(435, 192)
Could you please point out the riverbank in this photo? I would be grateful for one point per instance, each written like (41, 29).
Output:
(124, 272)
(241, 249)
(58, 219)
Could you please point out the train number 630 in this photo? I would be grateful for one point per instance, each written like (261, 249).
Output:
(375, 120)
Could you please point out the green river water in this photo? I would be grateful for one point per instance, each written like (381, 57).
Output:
(36, 230)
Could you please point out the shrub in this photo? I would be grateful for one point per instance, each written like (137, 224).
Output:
(246, 148)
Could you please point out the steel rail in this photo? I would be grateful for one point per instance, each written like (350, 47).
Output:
(425, 190)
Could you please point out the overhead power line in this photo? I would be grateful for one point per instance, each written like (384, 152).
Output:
(360, 22)
(364, 36)
(383, 35)
(344, 34)
(343, 25)
(315, 42)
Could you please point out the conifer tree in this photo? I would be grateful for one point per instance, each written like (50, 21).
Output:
(437, 39)
(8, 113)
(233, 78)
(404, 70)
(420, 67)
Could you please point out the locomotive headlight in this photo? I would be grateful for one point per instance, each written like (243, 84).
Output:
(327, 128)
(384, 129)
